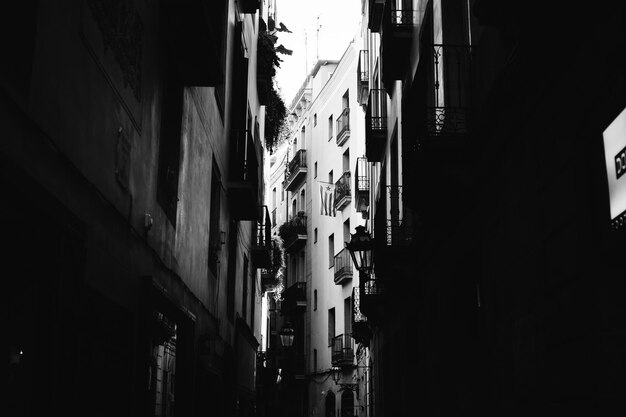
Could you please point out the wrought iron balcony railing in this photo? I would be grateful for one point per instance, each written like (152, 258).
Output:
(343, 193)
(362, 184)
(294, 232)
(243, 182)
(263, 239)
(449, 85)
(403, 17)
(343, 126)
(363, 73)
(342, 350)
(361, 331)
(398, 228)
(376, 125)
(294, 298)
(343, 266)
(296, 170)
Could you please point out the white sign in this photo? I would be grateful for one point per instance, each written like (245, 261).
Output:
(615, 155)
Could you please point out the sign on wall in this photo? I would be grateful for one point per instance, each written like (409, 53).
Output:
(615, 154)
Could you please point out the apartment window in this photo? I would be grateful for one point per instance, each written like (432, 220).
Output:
(346, 231)
(294, 270)
(274, 198)
(347, 315)
(345, 100)
(294, 207)
(330, 127)
(315, 235)
(331, 250)
(315, 300)
(330, 177)
(303, 138)
(169, 145)
(215, 244)
(331, 326)
(315, 120)
(282, 194)
(346, 160)
(315, 170)
(302, 200)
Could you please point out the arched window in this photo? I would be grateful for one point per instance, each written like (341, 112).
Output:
(330, 404)
(347, 403)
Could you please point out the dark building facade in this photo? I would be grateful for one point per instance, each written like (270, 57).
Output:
(132, 168)
(498, 269)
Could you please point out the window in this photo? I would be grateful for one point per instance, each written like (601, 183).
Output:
(315, 170)
(345, 100)
(346, 231)
(282, 194)
(331, 250)
(330, 177)
(315, 120)
(303, 138)
(346, 160)
(315, 300)
(331, 326)
(302, 200)
(294, 207)
(215, 244)
(315, 235)
(330, 127)
(169, 145)
(347, 315)
(274, 198)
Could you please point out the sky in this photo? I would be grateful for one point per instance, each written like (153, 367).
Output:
(339, 22)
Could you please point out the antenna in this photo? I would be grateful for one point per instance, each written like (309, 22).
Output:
(317, 46)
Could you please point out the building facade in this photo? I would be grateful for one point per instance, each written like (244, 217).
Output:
(132, 164)
(312, 190)
(496, 236)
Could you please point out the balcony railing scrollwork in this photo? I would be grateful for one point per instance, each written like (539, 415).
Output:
(376, 125)
(343, 126)
(343, 267)
(343, 193)
(296, 170)
(342, 350)
(363, 74)
(262, 243)
(362, 184)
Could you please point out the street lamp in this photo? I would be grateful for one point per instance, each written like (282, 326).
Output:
(286, 335)
(361, 247)
(335, 372)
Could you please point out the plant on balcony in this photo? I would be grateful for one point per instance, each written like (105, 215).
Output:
(342, 188)
(275, 111)
(290, 228)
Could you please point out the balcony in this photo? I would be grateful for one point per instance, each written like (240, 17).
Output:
(294, 233)
(342, 350)
(361, 331)
(343, 267)
(294, 298)
(376, 125)
(375, 15)
(362, 77)
(343, 194)
(371, 299)
(261, 249)
(397, 34)
(395, 226)
(192, 26)
(343, 126)
(362, 185)
(243, 183)
(296, 171)
(268, 280)
(449, 84)
(248, 6)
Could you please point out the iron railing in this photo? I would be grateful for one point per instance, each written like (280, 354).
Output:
(376, 114)
(342, 350)
(343, 126)
(449, 81)
(362, 175)
(298, 161)
(357, 316)
(343, 193)
(343, 265)
(293, 297)
(403, 17)
(399, 229)
(263, 228)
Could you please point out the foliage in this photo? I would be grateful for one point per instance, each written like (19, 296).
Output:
(275, 110)
(296, 225)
